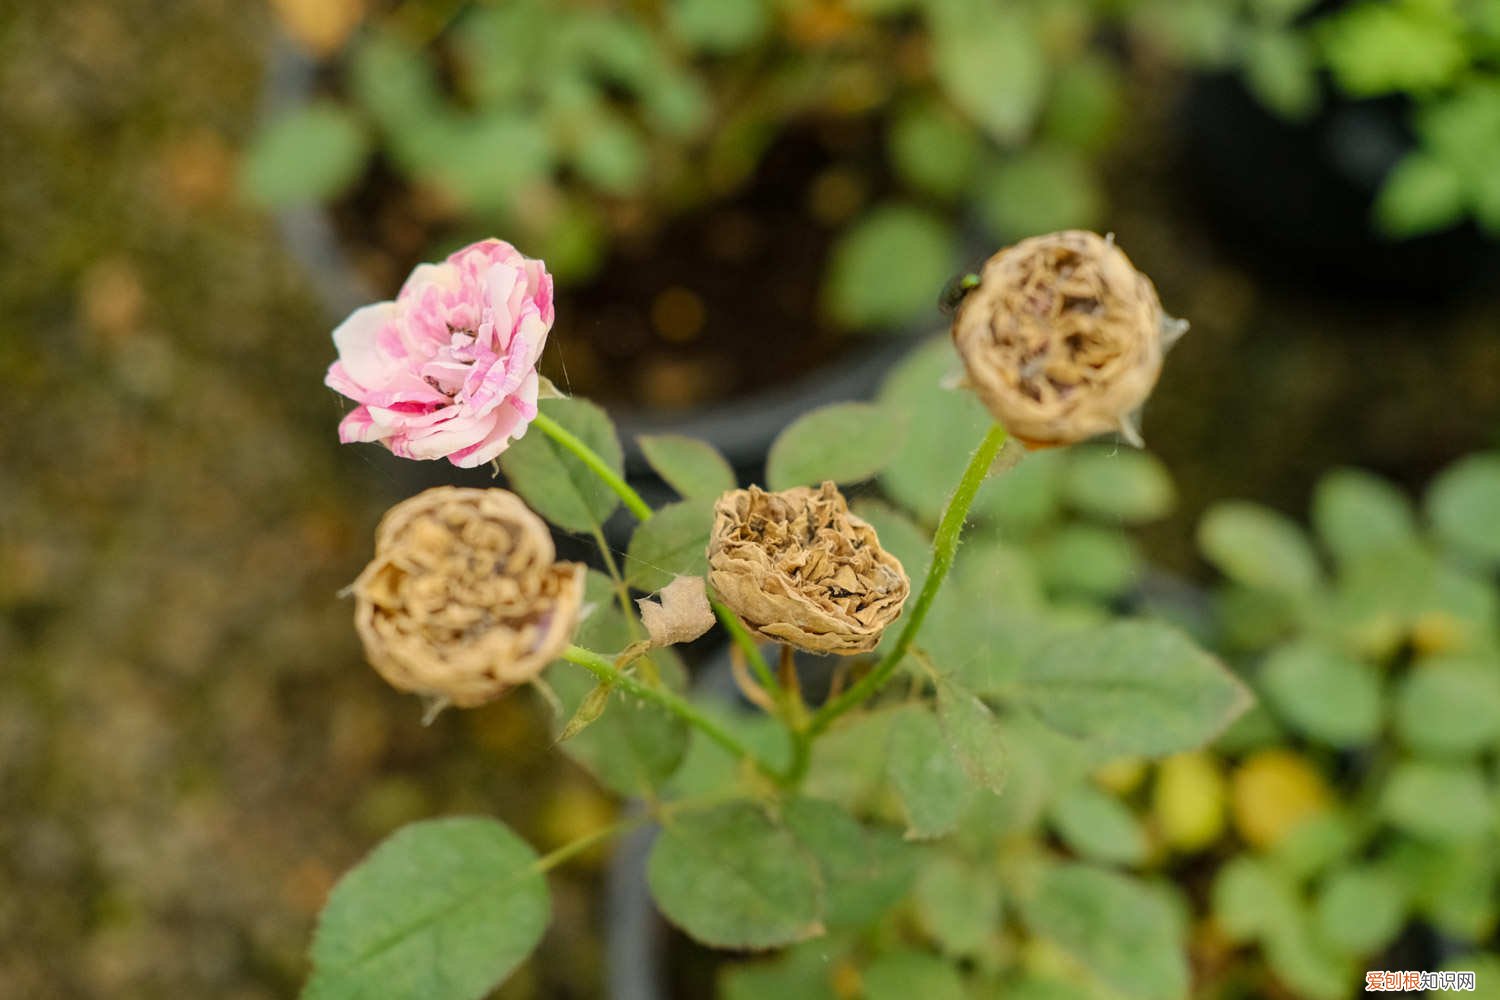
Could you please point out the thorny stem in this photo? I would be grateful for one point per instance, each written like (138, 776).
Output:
(944, 548)
(597, 466)
(603, 668)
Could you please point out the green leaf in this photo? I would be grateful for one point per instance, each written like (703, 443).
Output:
(1463, 505)
(903, 975)
(1439, 801)
(445, 908)
(486, 161)
(1281, 69)
(1304, 962)
(1250, 897)
(989, 616)
(1039, 190)
(719, 26)
(1448, 707)
(1201, 33)
(804, 972)
(611, 154)
(731, 878)
(693, 468)
(888, 269)
(1382, 48)
(1099, 827)
(974, 734)
(1086, 106)
(554, 482)
(1360, 910)
(391, 81)
(849, 760)
(933, 149)
(943, 427)
(844, 442)
(1132, 687)
(989, 61)
(1450, 883)
(1024, 499)
(307, 155)
(1357, 514)
(1323, 694)
(1082, 559)
(633, 746)
(865, 870)
(1422, 194)
(1123, 932)
(927, 775)
(1117, 484)
(957, 904)
(672, 542)
(1315, 843)
(1258, 547)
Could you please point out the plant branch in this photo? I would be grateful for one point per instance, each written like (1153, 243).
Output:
(743, 639)
(570, 442)
(603, 668)
(945, 547)
(570, 850)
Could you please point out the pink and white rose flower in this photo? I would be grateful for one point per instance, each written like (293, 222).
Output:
(448, 370)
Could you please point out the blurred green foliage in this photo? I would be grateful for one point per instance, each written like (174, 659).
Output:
(553, 122)
(1441, 56)
(1364, 784)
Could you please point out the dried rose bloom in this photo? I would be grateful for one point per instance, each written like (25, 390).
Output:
(800, 569)
(1062, 339)
(464, 598)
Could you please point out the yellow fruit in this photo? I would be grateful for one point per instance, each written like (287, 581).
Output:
(1274, 792)
(1437, 632)
(1187, 801)
(1121, 776)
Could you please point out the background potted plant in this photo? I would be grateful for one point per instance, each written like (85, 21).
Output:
(664, 159)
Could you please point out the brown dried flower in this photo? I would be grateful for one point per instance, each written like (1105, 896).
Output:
(800, 569)
(464, 598)
(1063, 338)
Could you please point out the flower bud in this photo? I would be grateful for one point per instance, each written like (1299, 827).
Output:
(1062, 339)
(464, 598)
(800, 569)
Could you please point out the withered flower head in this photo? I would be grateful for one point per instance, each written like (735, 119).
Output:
(1063, 338)
(800, 569)
(464, 598)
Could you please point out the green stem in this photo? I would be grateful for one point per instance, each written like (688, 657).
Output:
(743, 639)
(568, 851)
(597, 466)
(944, 548)
(603, 668)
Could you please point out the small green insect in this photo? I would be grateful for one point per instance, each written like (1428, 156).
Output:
(954, 291)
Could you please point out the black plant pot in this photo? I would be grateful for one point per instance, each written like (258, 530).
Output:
(1296, 198)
